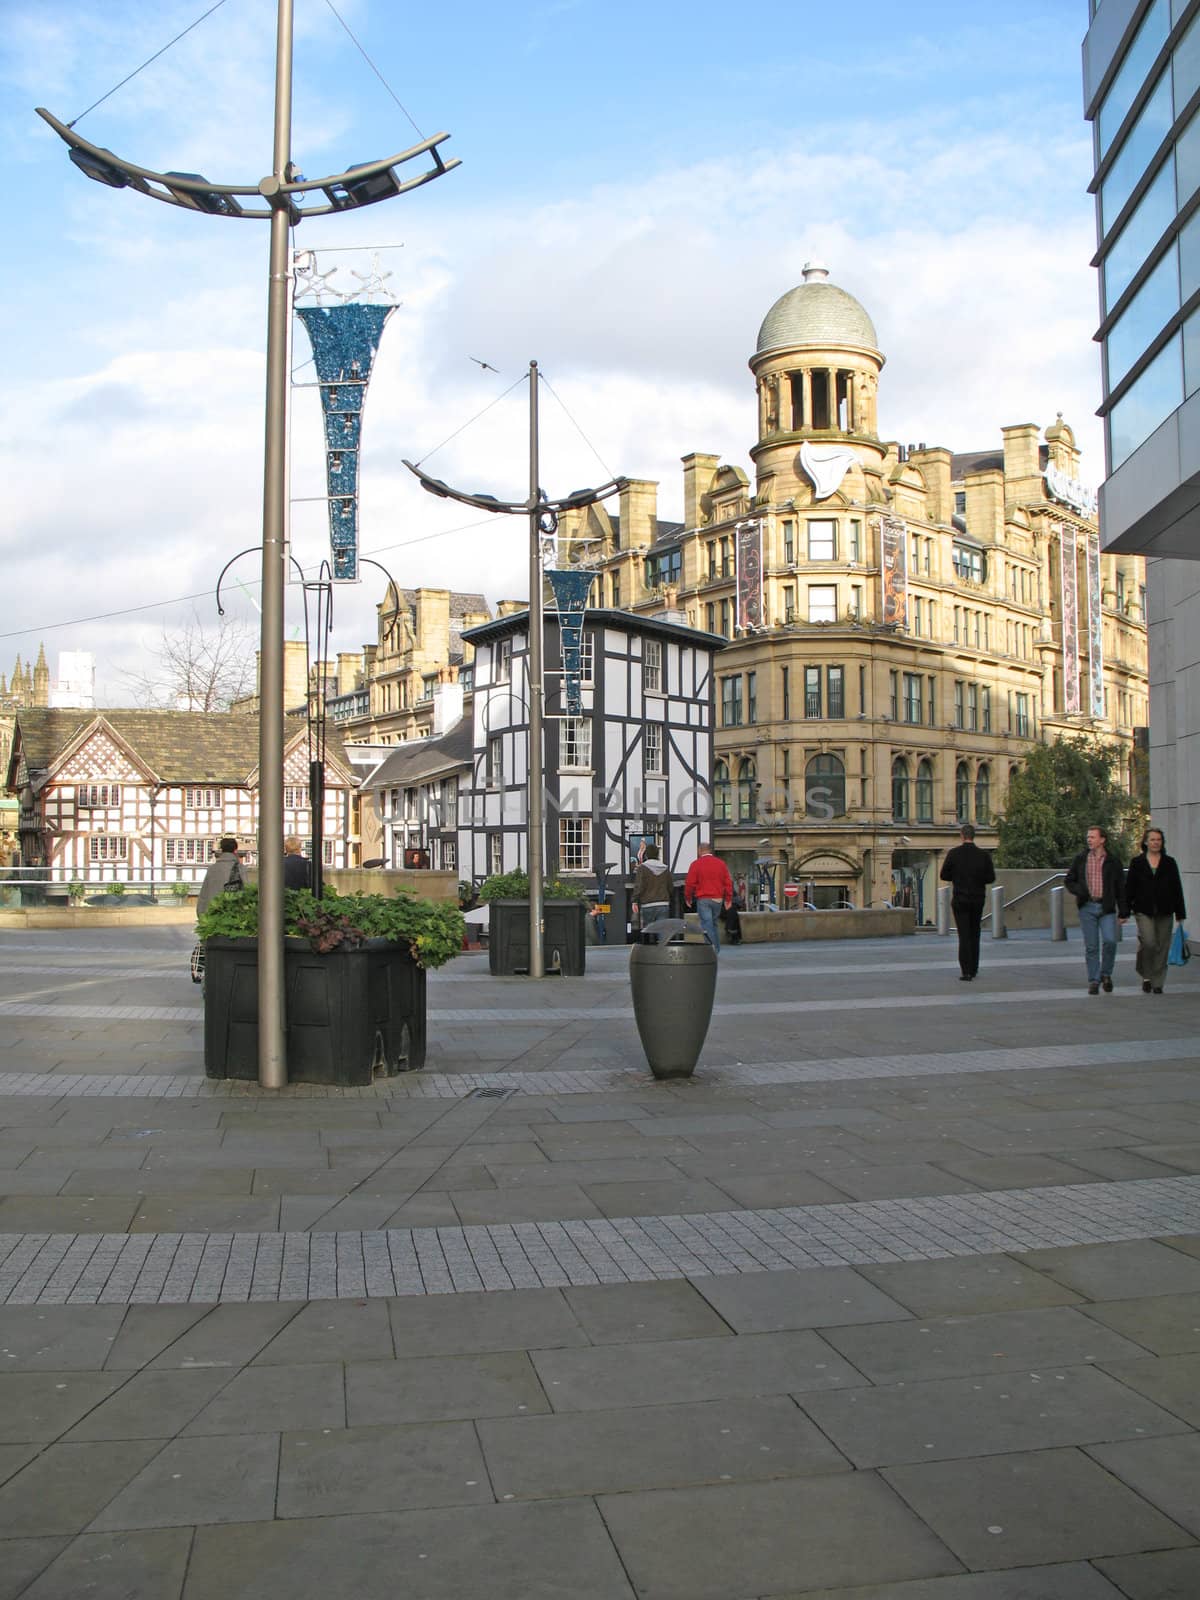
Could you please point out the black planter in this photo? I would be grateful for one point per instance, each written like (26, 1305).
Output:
(563, 941)
(350, 1014)
(673, 987)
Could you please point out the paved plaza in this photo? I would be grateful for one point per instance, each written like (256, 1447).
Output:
(897, 1299)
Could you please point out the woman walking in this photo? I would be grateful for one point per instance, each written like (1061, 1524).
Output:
(1156, 900)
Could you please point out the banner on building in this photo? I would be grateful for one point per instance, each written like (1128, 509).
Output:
(1069, 585)
(345, 340)
(748, 558)
(1095, 625)
(571, 587)
(893, 559)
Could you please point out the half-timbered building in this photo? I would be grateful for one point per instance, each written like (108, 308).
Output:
(140, 797)
(414, 793)
(635, 764)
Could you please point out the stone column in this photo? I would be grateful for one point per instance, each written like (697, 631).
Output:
(806, 397)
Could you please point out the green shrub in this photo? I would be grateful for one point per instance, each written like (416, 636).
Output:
(76, 890)
(179, 890)
(432, 930)
(515, 886)
(117, 890)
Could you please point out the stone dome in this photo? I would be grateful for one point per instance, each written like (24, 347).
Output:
(816, 312)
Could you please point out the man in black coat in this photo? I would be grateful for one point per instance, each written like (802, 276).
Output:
(969, 869)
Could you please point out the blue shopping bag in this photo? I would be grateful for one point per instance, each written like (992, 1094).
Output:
(1181, 951)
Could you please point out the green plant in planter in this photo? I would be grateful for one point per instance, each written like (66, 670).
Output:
(117, 890)
(515, 886)
(76, 890)
(432, 930)
(180, 891)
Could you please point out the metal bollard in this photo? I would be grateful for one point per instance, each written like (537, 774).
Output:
(1058, 914)
(999, 931)
(943, 908)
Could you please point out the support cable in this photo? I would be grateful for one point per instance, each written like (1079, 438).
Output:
(154, 57)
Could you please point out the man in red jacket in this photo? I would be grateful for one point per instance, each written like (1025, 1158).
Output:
(708, 886)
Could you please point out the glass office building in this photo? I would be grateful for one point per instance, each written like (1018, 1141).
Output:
(1141, 71)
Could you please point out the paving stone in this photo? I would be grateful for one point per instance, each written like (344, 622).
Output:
(270, 1399)
(57, 1338)
(678, 1370)
(23, 1559)
(780, 1189)
(1164, 1471)
(38, 1406)
(553, 1548)
(151, 1405)
(465, 1324)
(66, 1213)
(432, 1210)
(332, 1330)
(628, 1313)
(227, 1336)
(1164, 1575)
(538, 1203)
(1012, 1172)
(825, 1297)
(959, 1417)
(347, 1470)
(1070, 1581)
(1167, 1325)
(442, 1389)
(649, 1447)
(753, 1539)
(1189, 1243)
(186, 1213)
(13, 1457)
(1129, 1270)
(117, 1566)
(148, 1331)
(967, 1284)
(1170, 1381)
(62, 1489)
(193, 1481)
(1094, 1515)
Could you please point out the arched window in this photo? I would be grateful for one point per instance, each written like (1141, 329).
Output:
(722, 802)
(925, 791)
(900, 786)
(983, 794)
(747, 790)
(962, 792)
(825, 788)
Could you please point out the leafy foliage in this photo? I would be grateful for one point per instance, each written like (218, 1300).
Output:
(515, 886)
(1062, 790)
(432, 931)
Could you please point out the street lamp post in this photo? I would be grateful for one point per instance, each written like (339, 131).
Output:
(284, 193)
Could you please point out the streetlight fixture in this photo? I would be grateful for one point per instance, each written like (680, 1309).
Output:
(543, 520)
(283, 192)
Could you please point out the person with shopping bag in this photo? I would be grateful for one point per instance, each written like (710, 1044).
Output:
(1155, 893)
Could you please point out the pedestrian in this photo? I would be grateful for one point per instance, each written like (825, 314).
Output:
(651, 886)
(224, 866)
(297, 868)
(1154, 891)
(708, 887)
(969, 870)
(1097, 880)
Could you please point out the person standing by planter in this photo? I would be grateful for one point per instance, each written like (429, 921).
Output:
(969, 870)
(216, 880)
(1097, 880)
(297, 868)
(651, 886)
(708, 887)
(1155, 893)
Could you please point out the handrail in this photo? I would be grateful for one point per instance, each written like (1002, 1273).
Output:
(1024, 895)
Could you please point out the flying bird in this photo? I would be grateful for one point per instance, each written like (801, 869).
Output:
(486, 365)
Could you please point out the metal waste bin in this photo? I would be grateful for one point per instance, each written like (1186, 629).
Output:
(673, 980)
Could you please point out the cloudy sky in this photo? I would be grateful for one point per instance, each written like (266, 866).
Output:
(639, 184)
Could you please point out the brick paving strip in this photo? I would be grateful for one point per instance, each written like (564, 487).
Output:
(185, 1268)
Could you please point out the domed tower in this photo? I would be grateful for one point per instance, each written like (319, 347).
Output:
(817, 367)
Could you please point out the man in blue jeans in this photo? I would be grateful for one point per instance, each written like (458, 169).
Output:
(709, 887)
(1097, 880)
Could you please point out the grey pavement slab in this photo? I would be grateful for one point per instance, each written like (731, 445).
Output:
(822, 1297)
(268, 1399)
(67, 1485)
(57, 1338)
(145, 1332)
(343, 1471)
(193, 1481)
(537, 1203)
(1072, 1580)
(1120, 1271)
(24, 1559)
(226, 1336)
(466, 1324)
(552, 1548)
(1163, 1575)
(1165, 1471)
(151, 1405)
(332, 1330)
(966, 1284)
(755, 1539)
(676, 1197)
(1170, 1381)
(1166, 1325)
(442, 1389)
(992, 1511)
(186, 1213)
(116, 1566)
(630, 1313)
(40, 1406)
(67, 1213)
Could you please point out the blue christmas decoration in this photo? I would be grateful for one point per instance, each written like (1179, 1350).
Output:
(571, 589)
(345, 340)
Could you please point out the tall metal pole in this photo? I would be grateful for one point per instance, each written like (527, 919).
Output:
(272, 1035)
(537, 826)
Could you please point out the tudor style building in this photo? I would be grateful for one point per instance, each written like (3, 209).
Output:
(141, 796)
(903, 621)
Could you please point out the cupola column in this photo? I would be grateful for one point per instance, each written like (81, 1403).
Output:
(806, 396)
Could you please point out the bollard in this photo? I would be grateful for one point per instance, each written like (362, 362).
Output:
(943, 908)
(1058, 914)
(999, 931)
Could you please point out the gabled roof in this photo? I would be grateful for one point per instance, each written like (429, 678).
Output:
(173, 746)
(418, 759)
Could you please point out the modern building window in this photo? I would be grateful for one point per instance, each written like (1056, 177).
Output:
(1154, 395)
(722, 799)
(574, 844)
(652, 665)
(983, 794)
(900, 790)
(1191, 354)
(822, 539)
(1151, 308)
(652, 749)
(812, 691)
(731, 701)
(835, 699)
(1154, 214)
(747, 791)
(822, 603)
(1137, 148)
(962, 793)
(575, 745)
(912, 697)
(825, 788)
(1146, 43)
(924, 791)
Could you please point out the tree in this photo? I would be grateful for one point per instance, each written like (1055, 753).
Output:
(196, 668)
(1061, 791)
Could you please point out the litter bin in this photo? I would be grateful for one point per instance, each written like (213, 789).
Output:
(673, 981)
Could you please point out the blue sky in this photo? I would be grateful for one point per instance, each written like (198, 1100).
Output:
(639, 184)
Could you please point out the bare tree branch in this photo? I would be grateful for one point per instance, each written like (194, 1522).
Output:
(195, 668)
